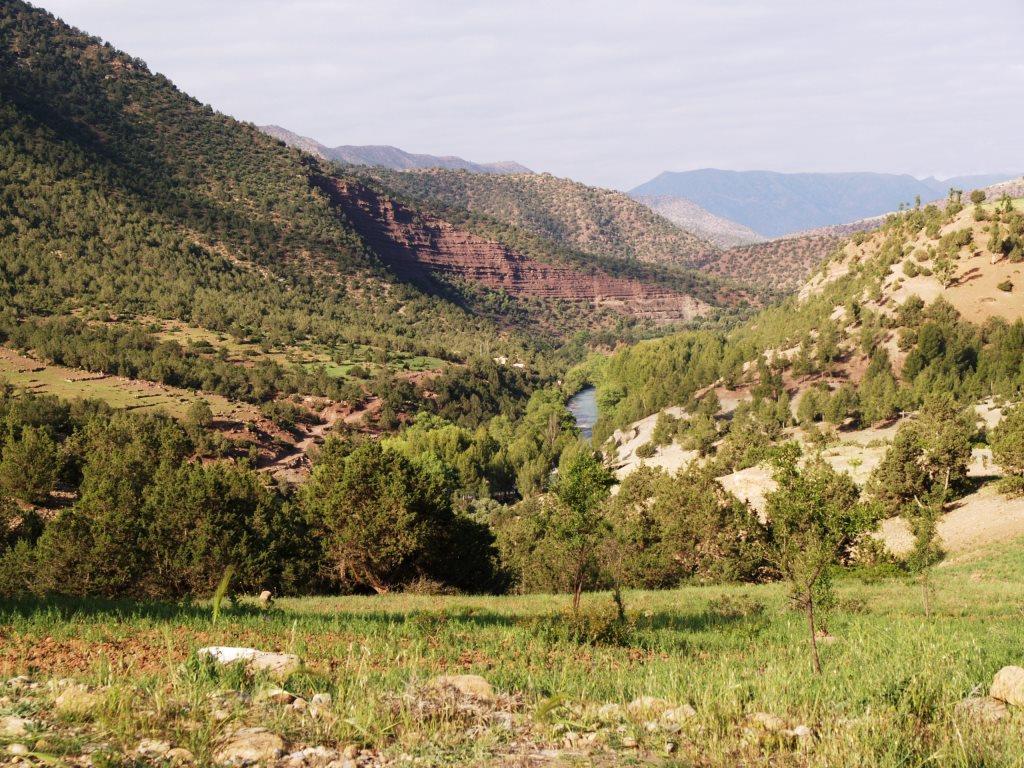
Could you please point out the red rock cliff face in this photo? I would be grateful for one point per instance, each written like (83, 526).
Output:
(415, 246)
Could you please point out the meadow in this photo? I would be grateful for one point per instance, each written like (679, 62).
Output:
(893, 676)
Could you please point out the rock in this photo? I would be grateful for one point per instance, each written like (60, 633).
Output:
(76, 700)
(321, 700)
(767, 721)
(800, 732)
(278, 665)
(678, 714)
(249, 745)
(350, 752)
(313, 756)
(21, 683)
(467, 685)
(266, 598)
(647, 704)
(609, 712)
(17, 749)
(629, 742)
(985, 708)
(276, 695)
(152, 748)
(13, 726)
(180, 755)
(299, 704)
(1008, 686)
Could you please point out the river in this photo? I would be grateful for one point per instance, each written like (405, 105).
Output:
(583, 406)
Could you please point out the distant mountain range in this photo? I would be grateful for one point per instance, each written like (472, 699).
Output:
(387, 156)
(775, 204)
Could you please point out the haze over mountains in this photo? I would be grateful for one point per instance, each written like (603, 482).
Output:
(387, 156)
(775, 204)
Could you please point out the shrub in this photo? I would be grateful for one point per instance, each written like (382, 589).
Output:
(28, 468)
(647, 450)
(605, 624)
(1006, 286)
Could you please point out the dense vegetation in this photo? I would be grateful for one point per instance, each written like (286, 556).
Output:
(944, 352)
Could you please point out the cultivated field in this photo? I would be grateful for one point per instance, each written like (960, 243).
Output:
(893, 677)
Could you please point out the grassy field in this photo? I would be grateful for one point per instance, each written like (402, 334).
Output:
(70, 384)
(309, 356)
(887, 697)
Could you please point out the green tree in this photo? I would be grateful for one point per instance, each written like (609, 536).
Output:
(813, 519)
(200, 414)
(1007, 441)
(582, 486)
(29, 466)
(930, 453)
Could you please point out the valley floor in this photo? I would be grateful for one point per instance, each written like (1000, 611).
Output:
(105, 683)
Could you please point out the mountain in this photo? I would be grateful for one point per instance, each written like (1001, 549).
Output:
(386, 156)
(687, 215)
(599, 222)
(125, 201)
(776, 204)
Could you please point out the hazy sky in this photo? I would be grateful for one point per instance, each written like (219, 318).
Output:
(611, 93)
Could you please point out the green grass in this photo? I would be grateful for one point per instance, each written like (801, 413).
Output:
(892, 676)
(70, 384)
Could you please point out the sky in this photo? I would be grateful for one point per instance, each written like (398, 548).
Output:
(609, 93)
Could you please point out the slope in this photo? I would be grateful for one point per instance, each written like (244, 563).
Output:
(123, 197)
(587, 219)
(687, 215)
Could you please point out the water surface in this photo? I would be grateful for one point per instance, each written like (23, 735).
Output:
(583, 406)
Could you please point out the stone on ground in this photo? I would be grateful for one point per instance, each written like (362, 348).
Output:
(767, 721)
(647, 704)
(76, 699)
(984, 708)
(1008, 686)
(467, 685)
(278, 665)
(248, 746)
(13, 726)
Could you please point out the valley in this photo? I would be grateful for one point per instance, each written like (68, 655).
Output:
(357, 457)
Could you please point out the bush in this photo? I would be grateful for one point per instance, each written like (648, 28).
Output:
(605, 624)
(1006, 286)
(647, 450)
(28, 468)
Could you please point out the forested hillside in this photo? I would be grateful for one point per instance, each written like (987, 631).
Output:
(587, 219)
(928, 300)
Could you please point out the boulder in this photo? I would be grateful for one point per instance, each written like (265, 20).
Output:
(248, 746)
(266, 598)
(76, 700)
(276, 695)
(12, 726)
(646, 705)
(17, 749)
(152, 748)
(467, 685)
(767, 721)
(180, 756)
(678, 714)
(983, 708)
(1008, 686)
(321, 700)
(279, 665)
